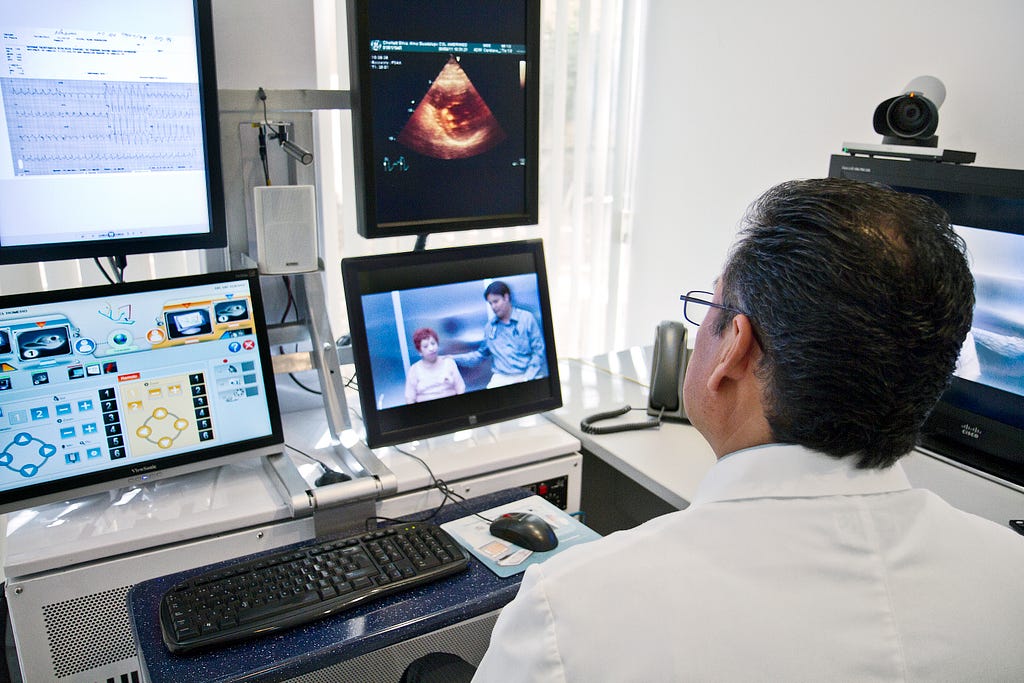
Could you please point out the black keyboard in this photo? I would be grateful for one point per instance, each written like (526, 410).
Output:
(297, 586)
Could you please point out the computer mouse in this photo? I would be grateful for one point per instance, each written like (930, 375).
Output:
(526, 530)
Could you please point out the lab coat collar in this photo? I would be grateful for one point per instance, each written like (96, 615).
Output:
(791, 471)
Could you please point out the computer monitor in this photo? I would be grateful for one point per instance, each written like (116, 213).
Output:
(449, 339)
(445, 114)
(102, 387)
(109, 142)
(979, 421)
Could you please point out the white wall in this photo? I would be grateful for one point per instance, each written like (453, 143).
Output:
(266, 43)
(740, 95)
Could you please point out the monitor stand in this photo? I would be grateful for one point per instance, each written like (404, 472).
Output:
(325, 356)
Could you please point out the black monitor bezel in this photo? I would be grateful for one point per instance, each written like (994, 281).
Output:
(217, 235)
(961, 428)
(204, 458)
(366, 165)
(441, 266)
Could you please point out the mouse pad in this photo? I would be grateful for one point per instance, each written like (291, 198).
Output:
(504, 558)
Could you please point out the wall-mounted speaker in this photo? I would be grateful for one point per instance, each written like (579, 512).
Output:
(286, 234)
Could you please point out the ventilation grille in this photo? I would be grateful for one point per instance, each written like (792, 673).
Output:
(468, 639)
(89, 631)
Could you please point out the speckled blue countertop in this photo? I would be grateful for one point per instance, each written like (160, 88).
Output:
(307, 648)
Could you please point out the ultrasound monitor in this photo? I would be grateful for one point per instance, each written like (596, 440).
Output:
(445, 114)
(103, 387)
(979, 422)
(449, 339)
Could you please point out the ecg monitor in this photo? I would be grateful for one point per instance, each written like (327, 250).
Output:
(109, 142)
(107, 386)
(445, 114)
(448, 339)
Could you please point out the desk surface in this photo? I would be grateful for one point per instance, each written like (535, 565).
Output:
(669, 461)
(311, 647)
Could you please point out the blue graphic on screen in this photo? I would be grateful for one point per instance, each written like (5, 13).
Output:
(87, 385)
(25, 454)
(466, 334)
(993, 353)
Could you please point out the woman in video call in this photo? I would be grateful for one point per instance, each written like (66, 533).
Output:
(432, 376)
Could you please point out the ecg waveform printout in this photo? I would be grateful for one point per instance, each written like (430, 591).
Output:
(60, 127)
(99, 102)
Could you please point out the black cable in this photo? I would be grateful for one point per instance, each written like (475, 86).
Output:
(262, 94)
(284, 316)
(446, 491)
(300, 384)
(106, 275)
(290, 303)
(308, 456)
(119, 263)
(441, 486)
(587, 423)
(329, 476)
(420, 460)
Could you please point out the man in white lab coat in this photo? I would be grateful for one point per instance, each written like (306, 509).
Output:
(805, 555)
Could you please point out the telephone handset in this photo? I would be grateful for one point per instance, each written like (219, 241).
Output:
(666, 391)
(667, 370)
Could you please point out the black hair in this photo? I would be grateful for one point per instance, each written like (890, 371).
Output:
(861, 298)
(497, 287)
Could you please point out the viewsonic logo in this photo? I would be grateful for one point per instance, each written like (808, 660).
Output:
(140, 470)
(971, 431)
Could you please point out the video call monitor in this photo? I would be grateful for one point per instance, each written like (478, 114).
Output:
(109, 137)
(445, 114)
(108, 386)
(980, 419)
(449, 339)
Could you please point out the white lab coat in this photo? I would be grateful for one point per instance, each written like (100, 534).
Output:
(788, 566)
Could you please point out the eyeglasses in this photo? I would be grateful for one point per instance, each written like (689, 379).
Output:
(695, 303)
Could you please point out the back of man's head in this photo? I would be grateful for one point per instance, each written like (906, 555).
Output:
(861, 297)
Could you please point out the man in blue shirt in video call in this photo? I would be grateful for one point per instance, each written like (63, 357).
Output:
(512, 340)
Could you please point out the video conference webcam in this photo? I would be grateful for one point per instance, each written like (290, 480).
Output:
(913, 117)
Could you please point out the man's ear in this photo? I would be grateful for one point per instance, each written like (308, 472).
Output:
(738, 353)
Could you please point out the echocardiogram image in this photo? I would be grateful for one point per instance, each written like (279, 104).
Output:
(452, 121)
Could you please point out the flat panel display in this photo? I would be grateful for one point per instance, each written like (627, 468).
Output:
(109, 142)
(106, 386)
(980, 419)
(445, 103)
(449, 339)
